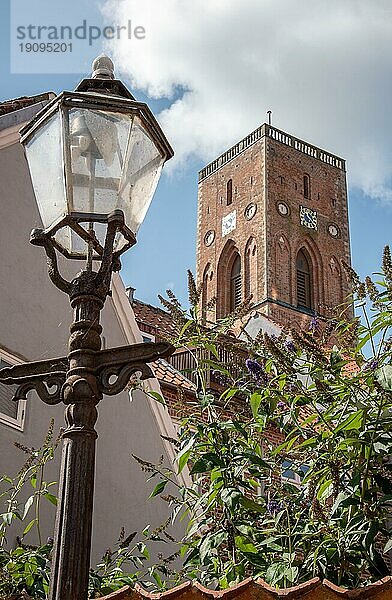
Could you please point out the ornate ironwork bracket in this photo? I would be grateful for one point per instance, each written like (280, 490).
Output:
(112, 368)
(40, 376)
(96, 283)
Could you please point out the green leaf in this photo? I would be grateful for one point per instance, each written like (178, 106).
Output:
(275, 573)
(291, 573)
(33, 480)
(51, 498)
(27, 506)
(255, 401)
(245, 545)
(143, 550)
(158, 397)
(184, 454)
(7, 517)
(206, 463)
(157, 578)
(324, 489)
(231, 497)
(158, 489)
(29, 526)
(213, 350)
(183, 460)
(211, 541)
(251, 505)
(353, 421)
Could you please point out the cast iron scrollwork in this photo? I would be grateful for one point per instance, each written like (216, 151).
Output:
(46, 377)
(43, 389)
(96, 283)
(116, 366)
(122, 376)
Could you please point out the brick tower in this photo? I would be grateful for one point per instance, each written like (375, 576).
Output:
(273, 222)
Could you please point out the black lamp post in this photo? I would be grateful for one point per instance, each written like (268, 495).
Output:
(95, 157)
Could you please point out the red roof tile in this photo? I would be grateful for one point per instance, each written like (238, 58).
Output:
(314, 589)
(166, 373)
(150, 318)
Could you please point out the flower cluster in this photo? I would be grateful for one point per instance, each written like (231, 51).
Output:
(314, 324)
(290, 346)
(371, 365)
(274, 507)
(257, 371)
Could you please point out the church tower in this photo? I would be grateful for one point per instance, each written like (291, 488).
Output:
(273, 222)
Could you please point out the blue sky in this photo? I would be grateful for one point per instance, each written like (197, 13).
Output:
(166, 241)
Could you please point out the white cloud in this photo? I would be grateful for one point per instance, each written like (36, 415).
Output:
(324, 68)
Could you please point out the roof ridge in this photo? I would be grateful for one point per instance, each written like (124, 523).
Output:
(152, 306)
(258, 589)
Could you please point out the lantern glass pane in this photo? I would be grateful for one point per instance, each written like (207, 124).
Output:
(141, 173)
(45, 159)
(98, 142)
(115, 164)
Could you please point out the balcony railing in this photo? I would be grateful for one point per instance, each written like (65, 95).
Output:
(186, 361)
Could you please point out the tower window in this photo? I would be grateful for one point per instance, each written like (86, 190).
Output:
(304, 297)
(306, 186)
(235, 284)
(229, 192)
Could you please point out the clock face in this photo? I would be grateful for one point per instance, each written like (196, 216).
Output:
(229, 223)
(283, 209)
(209, 237)
(250, 211)
(333, 230)
(308, 217)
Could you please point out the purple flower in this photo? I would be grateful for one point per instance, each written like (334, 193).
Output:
(371, 365)
(256, 370)
(292, 387)
(274, 507)
(280, 405)
(290, 346)
(314, 324)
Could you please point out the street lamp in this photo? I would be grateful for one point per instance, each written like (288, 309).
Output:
(95, 156)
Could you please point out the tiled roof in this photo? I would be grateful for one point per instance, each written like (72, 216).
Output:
(351, 368)
(166, 373)
(154, 317)
(314, 589)
(9, 106)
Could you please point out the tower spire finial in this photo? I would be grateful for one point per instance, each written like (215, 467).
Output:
(269, 113)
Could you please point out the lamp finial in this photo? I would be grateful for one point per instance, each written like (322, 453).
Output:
(103, 67)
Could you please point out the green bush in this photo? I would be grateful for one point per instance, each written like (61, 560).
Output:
(332, 410)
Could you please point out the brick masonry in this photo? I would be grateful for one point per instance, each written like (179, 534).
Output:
(266, 172)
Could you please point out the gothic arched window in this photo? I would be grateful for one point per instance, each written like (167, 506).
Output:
(304, 280)
(306, 186)
(229, 192)
(235, 284)
(205, 290)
